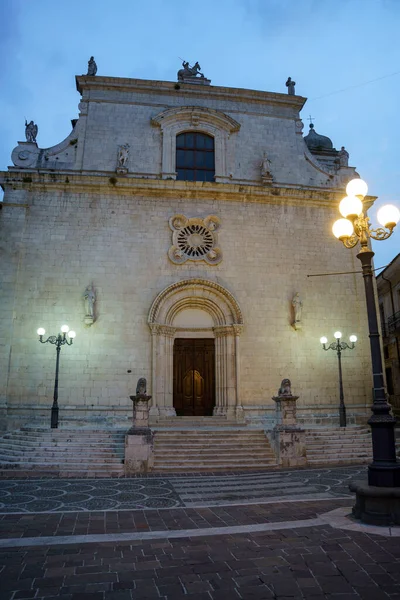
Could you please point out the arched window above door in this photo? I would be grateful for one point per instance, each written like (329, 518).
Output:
(195, 156)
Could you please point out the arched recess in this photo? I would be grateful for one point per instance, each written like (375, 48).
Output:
(227, 325)
(195, 118)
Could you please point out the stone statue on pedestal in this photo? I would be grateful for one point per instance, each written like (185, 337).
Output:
(290, 86)
(139, 451)
(285, 389)
(287, 437)
(31, 131)
(189, 71)
(343, 157)
(192, 74)
(92, 67)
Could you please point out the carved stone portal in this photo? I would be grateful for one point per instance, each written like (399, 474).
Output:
(194, 239)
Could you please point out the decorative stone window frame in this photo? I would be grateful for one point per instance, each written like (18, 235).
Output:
(225, 312)
(174, 121)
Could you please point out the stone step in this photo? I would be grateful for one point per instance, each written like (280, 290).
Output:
(227, 447)
(324, 439)
(69, 453)
(202, 468)
(207, 422)
(198, 435)
(74, 464)
(338, 446)
(56, 457)
(207, 455)
(37, 471)
(56, 438)
(340, 460)
(56, 464)
(79, 445)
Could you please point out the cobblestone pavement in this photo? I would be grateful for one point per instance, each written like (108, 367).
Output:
(60, 495)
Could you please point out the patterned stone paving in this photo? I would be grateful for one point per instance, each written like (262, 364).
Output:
(60, 495)
(46, 495)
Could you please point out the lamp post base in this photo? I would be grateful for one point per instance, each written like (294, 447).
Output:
(376, 505)
(54, 416)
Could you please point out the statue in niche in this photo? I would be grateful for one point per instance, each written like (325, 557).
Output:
(90, 298)
(92, 67)
(31, 131)
(265, 165)
(297, 308)
(189, 72)
(285, 389)
(290, 86)
(343, 157)
(122, 158)
(141, 387)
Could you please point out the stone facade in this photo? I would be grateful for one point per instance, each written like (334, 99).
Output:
(70, 219)
(388, 284)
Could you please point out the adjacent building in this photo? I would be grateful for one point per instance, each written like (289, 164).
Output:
(388, 283)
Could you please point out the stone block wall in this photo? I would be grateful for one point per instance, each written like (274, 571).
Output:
(119, 241)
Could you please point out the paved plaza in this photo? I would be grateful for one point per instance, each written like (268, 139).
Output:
(271, 534)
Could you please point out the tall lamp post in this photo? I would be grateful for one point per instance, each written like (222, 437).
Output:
(59, 340)
(373, 505)
(339, 347)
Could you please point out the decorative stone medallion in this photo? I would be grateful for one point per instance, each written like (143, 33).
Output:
(194, 239)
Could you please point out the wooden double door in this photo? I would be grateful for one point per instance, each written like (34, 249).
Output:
(194, 377)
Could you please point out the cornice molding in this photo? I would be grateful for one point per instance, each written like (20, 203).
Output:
(86, 83)
(110, 184)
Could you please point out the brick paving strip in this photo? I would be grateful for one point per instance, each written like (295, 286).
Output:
(106, 522)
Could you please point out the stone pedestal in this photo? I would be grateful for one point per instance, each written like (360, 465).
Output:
(376, 505)
(139, 452)
(287, 437)
(195, 80)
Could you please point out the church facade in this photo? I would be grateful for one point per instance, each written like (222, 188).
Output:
(175, 230)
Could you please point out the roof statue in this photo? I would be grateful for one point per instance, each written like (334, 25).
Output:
(192, 74)
(290, 86)
(343, 157)
(92, 67)
(31, 131)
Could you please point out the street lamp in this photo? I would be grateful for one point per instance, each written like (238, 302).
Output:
(373, 506)
(339, 347)
(59, 340)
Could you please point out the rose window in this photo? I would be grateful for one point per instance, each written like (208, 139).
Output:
(194, 239)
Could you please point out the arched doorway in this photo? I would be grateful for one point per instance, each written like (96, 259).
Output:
(196, 310)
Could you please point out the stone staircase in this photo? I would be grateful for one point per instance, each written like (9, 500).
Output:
(338, 445)
(187, 445)
(36, 452)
